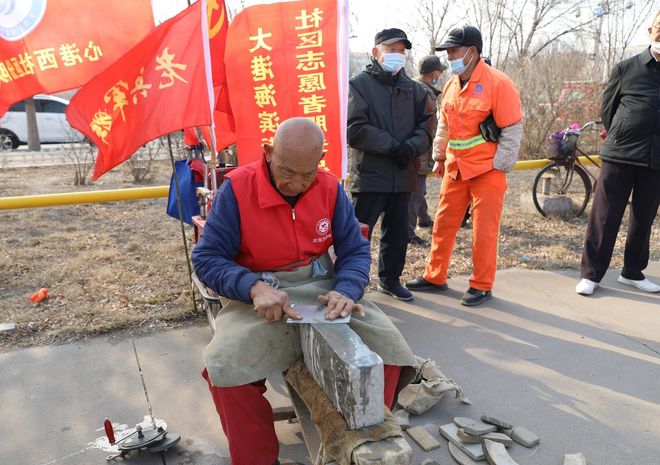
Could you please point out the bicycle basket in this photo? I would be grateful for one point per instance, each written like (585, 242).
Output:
(561, 145)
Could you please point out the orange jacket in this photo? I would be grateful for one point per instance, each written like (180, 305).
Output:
(462, 110)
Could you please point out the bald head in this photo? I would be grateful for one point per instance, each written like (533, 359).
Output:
(295, 154)
(299, 136)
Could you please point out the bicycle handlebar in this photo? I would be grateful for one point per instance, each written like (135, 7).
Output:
(590, 123)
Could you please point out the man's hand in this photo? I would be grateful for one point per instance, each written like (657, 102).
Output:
(402, 155)
(270, 303)
(439, 168)
(339, 305)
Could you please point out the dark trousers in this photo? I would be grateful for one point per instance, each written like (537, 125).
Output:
(394, 228)
(418, 210)
(613, 188)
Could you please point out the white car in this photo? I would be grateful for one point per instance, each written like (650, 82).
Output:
(51, 122)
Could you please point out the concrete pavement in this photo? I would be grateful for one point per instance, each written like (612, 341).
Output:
(583, 373)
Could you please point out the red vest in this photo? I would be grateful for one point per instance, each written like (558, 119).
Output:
(275, 236)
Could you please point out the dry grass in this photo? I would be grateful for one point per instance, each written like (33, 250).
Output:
(121, 267)
(108, 267)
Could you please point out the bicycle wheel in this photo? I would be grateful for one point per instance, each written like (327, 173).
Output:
(561, 190)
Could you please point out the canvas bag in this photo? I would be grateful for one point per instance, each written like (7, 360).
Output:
(428, 387)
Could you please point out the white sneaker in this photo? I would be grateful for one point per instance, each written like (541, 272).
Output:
(642, 284)
(586, 287)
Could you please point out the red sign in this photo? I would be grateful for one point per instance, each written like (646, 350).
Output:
(49, 46)
(224, 121)
(289, 59)
(158, 87)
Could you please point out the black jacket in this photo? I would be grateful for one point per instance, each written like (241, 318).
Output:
(426, 159)
(384, 111)
(631, 112)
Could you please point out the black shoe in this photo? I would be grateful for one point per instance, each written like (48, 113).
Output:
(474, 297)
(425, 224)
(395, 289)
(421, 284)
(416, 240)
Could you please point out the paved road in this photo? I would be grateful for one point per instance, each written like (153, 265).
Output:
(582, 373)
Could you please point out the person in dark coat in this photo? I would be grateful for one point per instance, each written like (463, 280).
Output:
(390, 124)
(430, 71)
(631, 163)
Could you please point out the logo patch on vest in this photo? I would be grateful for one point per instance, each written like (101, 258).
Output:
(322, 226)
(323, 230)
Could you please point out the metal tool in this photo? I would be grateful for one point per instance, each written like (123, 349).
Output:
(144, 386)
(152, 439)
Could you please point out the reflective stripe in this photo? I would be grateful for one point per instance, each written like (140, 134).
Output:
(466, 143)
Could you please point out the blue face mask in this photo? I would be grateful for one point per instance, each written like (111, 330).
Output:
(435, 81)
(393, 62)
(458, 65)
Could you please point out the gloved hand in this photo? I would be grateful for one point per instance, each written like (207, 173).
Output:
(402, 155)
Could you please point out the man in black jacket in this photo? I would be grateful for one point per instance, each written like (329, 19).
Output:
(631, 163)
(390, 124)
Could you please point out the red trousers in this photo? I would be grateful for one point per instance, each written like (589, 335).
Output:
(486, 193)
(247, 418)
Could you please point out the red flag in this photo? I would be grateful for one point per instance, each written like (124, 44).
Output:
(49, 46)
(157, 87)
(289, 59)
(224, 120)
(190, 137)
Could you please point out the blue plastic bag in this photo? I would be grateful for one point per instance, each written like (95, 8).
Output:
(187, 187)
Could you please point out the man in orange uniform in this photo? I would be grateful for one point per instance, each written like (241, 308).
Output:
(477, 143)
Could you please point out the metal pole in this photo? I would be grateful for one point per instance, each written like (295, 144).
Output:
(183, 230)
(144, 386)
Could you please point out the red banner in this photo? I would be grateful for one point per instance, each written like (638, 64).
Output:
(218, 24)
(224, 121)
(289, 59)
(158, 87)
(49, 46)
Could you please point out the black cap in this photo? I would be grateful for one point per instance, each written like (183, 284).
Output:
(462, 36)
(431, 63)
(392, 36)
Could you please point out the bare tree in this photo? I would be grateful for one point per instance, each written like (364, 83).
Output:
(231, 12)
(620, 20)
(431, 20)
(82, 156)
(524, 28)
(140, 163)
(555, 91)
(488, 16)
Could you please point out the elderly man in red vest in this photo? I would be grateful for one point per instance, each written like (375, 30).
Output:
(264, 246)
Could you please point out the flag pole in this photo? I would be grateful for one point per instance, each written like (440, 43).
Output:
(183, 230)
(211, 94)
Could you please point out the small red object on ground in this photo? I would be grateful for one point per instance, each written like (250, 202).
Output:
(38, 296)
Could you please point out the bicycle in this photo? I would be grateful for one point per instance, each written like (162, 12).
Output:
(556, 191)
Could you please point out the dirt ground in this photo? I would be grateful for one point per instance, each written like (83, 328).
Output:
(121, 266)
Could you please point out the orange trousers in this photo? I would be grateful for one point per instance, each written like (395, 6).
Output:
(486, 193)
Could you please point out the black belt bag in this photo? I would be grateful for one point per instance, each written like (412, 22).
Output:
(489, 129)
